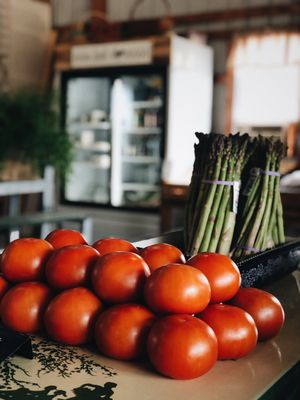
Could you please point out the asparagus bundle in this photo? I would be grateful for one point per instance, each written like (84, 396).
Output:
(213, 192)
(260, 223)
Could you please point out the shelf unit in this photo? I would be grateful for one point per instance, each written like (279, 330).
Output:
(157, 103)
(136, 186)
(93, 164)
(93, 147)
(79, 126)
(143, 124)
(144, 130)
(140, 159)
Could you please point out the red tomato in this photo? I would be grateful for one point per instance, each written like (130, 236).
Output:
(65, 237)
(71, 315)
(177, 288)
(182, 346)
(4, 286)
(121, 331)
(119, 277)
(264, 308)
(23, 306)
(112, 244)
(23, 259)
(158, 255)
(222, 273)
(235, 330)
(70, 266)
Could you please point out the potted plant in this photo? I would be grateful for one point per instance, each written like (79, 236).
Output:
(31, 136)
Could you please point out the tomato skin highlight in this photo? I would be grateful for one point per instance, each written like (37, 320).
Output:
(177, 289)
(23, 260)
(235, 330)
(265, 309)
(112, 244)
(71, 315)
(160, 254)
(119, 277)
(121, 331)
(70, 266)
(182, 346)
(22, 307)
(65, 237)
(222, 273)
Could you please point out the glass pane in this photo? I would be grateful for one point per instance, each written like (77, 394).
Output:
(140, 132)
(88, 123)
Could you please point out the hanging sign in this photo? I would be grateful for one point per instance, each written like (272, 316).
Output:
(114, 54)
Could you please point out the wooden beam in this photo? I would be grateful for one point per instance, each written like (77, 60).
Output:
(98, 5)
(239, 13)
(151, 25)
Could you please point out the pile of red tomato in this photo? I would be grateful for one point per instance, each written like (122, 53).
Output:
(135, 303)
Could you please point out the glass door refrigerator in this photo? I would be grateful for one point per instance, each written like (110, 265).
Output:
(87, 120)
(137, 140)
(115, 119)
(123, 127)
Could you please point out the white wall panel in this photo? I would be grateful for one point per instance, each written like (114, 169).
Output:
(258, 101)
(189, 106)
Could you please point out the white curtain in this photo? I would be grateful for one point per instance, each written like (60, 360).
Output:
(266, 80)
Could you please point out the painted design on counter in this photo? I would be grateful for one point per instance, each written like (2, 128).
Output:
(23, 393)
(84, 392)
(66, 360)
(20, 379)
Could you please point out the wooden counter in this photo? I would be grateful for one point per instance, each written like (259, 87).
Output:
(64, 372)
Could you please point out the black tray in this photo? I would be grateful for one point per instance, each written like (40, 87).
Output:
(270, 265)
(12, 342)
(256, 270)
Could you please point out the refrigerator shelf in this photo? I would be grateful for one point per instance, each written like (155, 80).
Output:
(100, 163)
(79, 126)
(140, 186)
(143, 130)
(141, 159)
(148, 104)
(105, 147)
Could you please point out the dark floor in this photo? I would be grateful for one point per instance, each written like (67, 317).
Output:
(132, 225)
(129, 225)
